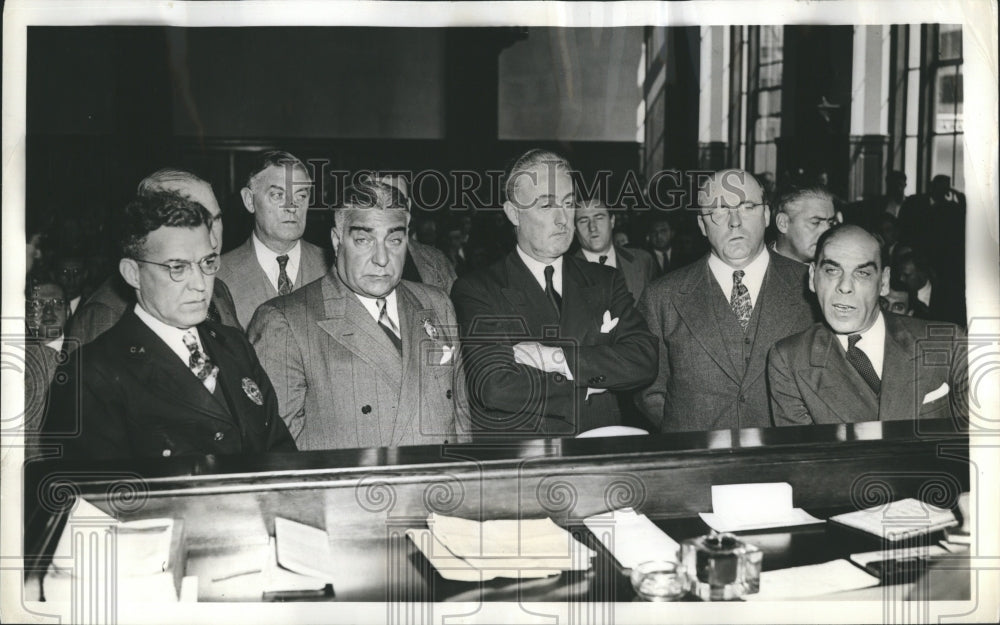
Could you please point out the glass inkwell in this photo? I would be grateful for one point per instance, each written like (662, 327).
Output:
(721, 567)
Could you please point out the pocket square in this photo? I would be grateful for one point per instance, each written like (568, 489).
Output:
(937, 393)
(608, 324)
(446, 354)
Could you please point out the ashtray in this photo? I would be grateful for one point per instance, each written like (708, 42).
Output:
(659, 580)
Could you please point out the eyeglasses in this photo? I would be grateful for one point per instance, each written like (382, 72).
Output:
(720, 214)
(181, 269)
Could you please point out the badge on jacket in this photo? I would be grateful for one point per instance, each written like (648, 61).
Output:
(253, 392)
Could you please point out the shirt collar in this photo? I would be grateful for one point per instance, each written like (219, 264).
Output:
(268, 260)
(753, 274)
(173, 337)
(872, 343)
(537, 269)
(371, 305)
(596, 257)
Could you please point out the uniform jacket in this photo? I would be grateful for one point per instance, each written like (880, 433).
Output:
(704, 383)
(340, 381)
(502, 305)
(249, 283)
(636, 265)
(924, 375)
(130, 396)
(108, 303)
(433, 265)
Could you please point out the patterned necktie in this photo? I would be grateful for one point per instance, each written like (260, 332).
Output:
(739, 299)
(200, 364)
(388, 325)
(603, 259)
(859, 360)
(284, 283)
(550, 290)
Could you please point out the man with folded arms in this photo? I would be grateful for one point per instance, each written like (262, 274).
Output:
(165, 380)
(547, 335)
(861, 364)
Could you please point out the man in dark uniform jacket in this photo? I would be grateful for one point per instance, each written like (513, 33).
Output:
(164, 380)
(862, 364)
(108, 302)
(717, 318)
(546, 335)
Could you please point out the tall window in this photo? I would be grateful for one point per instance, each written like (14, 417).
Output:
(766, 45)
(945, 139)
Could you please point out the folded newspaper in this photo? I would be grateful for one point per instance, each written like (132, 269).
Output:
(466, 550)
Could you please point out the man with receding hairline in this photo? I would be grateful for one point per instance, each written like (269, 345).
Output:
(801, 216)
(717, 317)
(860, 363)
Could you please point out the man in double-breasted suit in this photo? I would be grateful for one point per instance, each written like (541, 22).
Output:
(164, 380)
(274, 260)
(362, 358)
(861, 364)
(717, 318)
(106, 305)
(594, 225)
(547, 335)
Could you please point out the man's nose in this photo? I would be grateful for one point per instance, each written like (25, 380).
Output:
(845, 284)
(561, 216)
(735, 219)
(197, 281)
(381, 255)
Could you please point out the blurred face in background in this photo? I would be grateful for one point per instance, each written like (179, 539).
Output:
(47, 311)
(594, 224)
(801, 224)
(661, 237)
(897, 303)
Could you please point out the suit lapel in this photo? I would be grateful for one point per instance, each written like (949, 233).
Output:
(163, 373)
(411, 317)
(695, 307)
(581, 301)
(350, 324)
(777, 299)
(527, 297)
(898, 372)
(837, 383)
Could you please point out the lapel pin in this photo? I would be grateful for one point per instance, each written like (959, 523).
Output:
(429, 329)
(252, 391)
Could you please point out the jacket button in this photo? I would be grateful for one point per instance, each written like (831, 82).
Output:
(743, 398)
(366, 409)
(166, 453)
(746, 340)
(558, 378)
(448, 394)
(219, 436)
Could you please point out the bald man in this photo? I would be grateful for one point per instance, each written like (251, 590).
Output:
(862, 364)
(716, 319)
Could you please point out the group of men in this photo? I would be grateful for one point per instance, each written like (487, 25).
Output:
(369, 350)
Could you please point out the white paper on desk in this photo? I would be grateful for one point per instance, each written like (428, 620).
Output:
(513, 539)
(302, 549)
(744, 507)
(924, 551)
(632, 538)
(454, 568)
(811, 581)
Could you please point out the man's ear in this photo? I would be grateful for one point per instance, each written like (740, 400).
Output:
(884, 290)
(701, 225)
(130, 271)
(511, 211)
(781, 222)
(812, 276)
(335, 239)
(767, 215)
(247, 195)
(612, 221)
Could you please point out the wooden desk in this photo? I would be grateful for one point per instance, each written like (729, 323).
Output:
(366, 499)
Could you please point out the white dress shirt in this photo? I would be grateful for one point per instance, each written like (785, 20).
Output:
(173, 337)
(73, 303)
(612, 260)
(268, 260)
(924, 294)
(872, 343)
(371, 305)
(753, 274)
(537, 269)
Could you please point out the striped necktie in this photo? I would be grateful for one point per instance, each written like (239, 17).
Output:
(388, 325)
(859, 360)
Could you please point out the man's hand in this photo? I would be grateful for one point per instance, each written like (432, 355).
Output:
(542, 357)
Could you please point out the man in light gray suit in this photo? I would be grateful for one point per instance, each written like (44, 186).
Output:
(362, 358)
(717, 318)
(274, 260)
(594, 225)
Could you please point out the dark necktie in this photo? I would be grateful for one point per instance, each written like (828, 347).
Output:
(284, 283)
(603, 259)
(388, 325)
(860, 361)
(213, 311)
(739, 299)
(410, 271)
(200, 364)
(550, 290)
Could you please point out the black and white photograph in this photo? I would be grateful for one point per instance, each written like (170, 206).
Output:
(500, 312)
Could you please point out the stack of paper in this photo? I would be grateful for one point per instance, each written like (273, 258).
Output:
(632, 538)
(299, 558)
(745, 507)
(465, 550)
(812, 581)
(898, 520)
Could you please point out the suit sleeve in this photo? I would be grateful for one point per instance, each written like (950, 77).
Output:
(786, 400)
(629, 360)
(959, 378)
(460, 398)
(651, 399)
(495, 381)
(90, 321)
(272, 338)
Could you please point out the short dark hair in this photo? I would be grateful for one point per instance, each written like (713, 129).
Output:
(791, 195)
(525, 162)
(152, 211)
(272, 158)
(370, 193)
(883, 256)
